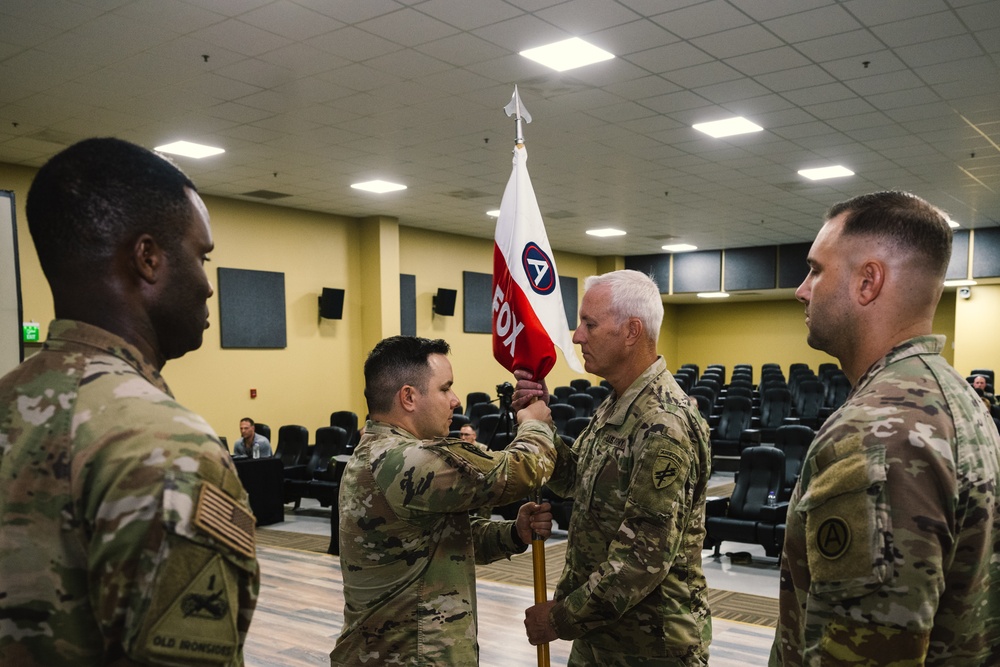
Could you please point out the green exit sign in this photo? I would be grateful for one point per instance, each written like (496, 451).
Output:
(30, 332)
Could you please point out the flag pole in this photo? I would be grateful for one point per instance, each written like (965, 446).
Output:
(516, 109)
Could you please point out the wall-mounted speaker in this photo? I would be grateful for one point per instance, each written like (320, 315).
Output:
(444, 301)
(331, 303)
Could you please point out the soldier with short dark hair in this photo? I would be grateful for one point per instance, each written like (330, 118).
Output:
(408, 545)
(125, 534)
(891, 546)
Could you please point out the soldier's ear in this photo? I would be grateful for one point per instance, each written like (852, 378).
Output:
(147, 258)
(407, 396)
(872, 280)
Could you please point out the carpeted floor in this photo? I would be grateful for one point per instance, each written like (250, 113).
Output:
(518, 570)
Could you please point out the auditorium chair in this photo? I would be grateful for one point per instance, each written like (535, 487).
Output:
(561, 413)
(562, 392)
(575, 426)
(775, 408)
(725, 437)
(582, 402)
(793, 440)
(323, 472)
(478, 410)
(293, 441)
(599, 393)
(348, 421)
(579, 384)
(474, 398)
(748, 516)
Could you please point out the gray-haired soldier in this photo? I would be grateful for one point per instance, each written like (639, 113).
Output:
(632, 591)
(891, 545)
(408, 545)
(125, 535)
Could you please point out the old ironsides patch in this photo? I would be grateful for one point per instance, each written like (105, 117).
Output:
(666, 468)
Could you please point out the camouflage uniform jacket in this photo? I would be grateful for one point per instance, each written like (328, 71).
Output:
(633, 581)
(124, 530)
(892, 539)
(408, 545)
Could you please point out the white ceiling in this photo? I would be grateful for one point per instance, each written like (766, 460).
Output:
(309, 96)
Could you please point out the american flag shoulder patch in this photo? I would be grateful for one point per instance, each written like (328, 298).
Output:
(223, 518)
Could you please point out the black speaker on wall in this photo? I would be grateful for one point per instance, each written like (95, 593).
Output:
(444, 301)
(331, 303)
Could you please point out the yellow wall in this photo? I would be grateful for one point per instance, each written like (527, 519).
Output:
(976, 320)
(321, 369)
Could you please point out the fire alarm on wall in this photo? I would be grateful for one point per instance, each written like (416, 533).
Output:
(965, 292)
(253, 393)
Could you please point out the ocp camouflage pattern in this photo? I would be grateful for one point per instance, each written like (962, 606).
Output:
(408, 546)
(892, 549)
(633, 583)
(100, 475)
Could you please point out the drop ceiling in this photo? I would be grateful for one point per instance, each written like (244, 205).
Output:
(309, 96)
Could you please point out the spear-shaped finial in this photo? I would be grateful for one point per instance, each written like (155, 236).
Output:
(517, 110)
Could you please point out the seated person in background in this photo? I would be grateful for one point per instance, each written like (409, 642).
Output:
(468, 433)
(250, 443)
(979, 384)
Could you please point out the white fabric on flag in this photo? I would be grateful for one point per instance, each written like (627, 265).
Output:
(529, 320)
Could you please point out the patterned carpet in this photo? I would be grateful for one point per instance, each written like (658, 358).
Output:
(728, 605)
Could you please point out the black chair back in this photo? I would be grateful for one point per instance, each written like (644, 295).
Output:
(582, 403)
(348, 421)
(579, 384)
(293, 440)
(762, 473)
(575, 426)
(263, 429)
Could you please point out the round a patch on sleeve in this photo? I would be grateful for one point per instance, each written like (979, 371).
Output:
(833, 538)
(666, 470)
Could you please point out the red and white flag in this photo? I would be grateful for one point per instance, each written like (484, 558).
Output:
(529, 320)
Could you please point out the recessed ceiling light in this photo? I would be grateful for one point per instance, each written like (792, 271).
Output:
(567, 54)
(495, 213)
(952, 223)
(821, 173)
(727, 127)
(713, 295)
(379, 187)
(189, 149)
(680, 247)
(607, 231)
(960, 283)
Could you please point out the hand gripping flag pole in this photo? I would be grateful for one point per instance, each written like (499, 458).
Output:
(529, 320)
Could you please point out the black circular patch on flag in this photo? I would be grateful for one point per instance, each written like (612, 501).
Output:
(833, 538)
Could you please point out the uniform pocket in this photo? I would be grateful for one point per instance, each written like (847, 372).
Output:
(847, 524)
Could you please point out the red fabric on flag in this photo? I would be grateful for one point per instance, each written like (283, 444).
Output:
(529, 320)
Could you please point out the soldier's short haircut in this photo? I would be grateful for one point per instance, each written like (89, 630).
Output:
(903, 220)
(97, 194)
(633, 294)
(395, 362)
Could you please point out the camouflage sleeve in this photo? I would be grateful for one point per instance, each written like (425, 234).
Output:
(494, 540)
(657, 508)
(563, 479)
(172, 566)
(454, 476)
(864, 501)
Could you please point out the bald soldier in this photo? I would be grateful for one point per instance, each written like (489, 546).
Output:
(891, 545)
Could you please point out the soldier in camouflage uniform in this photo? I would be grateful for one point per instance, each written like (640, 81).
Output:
(408, 545)
(125, 535)
(892, 538)
(632, 591)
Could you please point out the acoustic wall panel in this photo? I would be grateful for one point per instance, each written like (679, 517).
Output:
(792, 266)
(252, 309)
(958, 267)
(407, 304)
(986, 253)
(11, 347)
(697, 272)
(570, 296)
(657, 266)
(477, 302)
(751, 268)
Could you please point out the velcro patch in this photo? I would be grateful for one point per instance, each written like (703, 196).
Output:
(833, 538)
(200, 625)
(666, 468)
(221, 517)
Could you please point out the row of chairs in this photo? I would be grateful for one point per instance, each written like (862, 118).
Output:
(755, 511)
